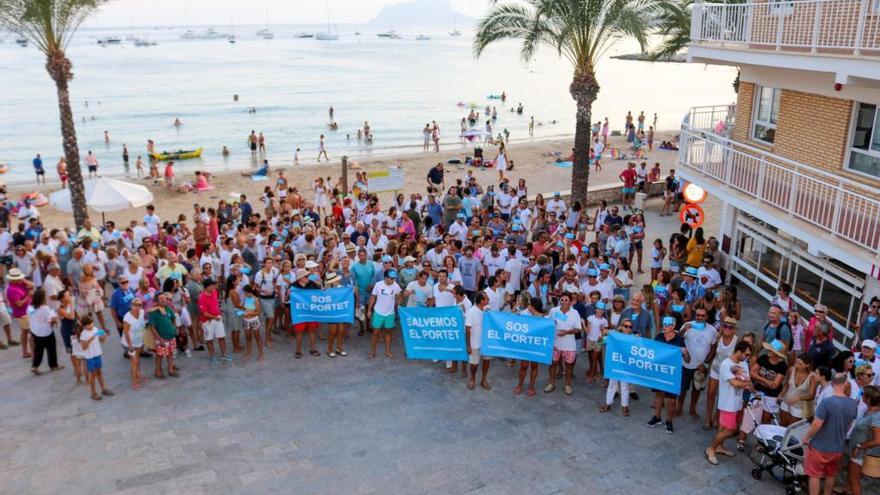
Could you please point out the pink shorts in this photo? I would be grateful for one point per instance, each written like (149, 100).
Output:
(568, 357)
(820, 464)
(729, 420)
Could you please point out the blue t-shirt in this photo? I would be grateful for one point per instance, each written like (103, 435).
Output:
(38, 164)
(363, 274)
(838, 413)
(120, 301)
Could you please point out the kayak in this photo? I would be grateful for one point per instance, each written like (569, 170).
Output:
(177, 155)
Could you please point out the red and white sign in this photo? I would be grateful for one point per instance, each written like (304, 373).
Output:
(692, 215)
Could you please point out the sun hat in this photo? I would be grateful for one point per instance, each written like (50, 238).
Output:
(387, 259)
(350, 248)
(691, 272)
(15, 274)
(409, 259)
(592, 272)
(730, 320)
(776, 347)
(299, 256)
(332, 278)
(311, 265)
(302, 273)
(869, 344)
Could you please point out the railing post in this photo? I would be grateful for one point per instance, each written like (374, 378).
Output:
(793, 194)
(697, 21)
(780, 14)
(838, 203)
(814, 43)
(724, 10)
(762, 173)
(860, 29)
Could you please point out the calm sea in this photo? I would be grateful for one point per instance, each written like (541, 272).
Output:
(135, 93)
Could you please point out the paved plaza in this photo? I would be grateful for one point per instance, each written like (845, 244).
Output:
(348, 425)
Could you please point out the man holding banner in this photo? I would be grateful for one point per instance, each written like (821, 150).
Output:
(568, 323)
(473, 325)
(661, 397)
(381, 311)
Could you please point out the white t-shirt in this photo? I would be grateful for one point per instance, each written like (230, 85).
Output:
(565, 321)
(94, 348)
(41, 321)
(556, 205)
(137, 329)
(595, 325)
(699, 344)
(493, 263)
(443, 298)
(514, 267)
(713, 278)
(151, 222)
(419, 294)
(386, 295)
(474, 319)
(729, 397)
(496, 298)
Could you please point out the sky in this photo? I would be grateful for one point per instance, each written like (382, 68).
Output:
(207, 12)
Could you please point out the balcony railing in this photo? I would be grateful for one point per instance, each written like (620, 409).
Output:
(717, 118)
(833, 26)
(841, 207)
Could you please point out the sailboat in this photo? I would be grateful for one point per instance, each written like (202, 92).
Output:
(329, 35)
(265, 33)
(455, 32)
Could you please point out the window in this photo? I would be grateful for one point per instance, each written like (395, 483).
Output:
(864, 154)
(766, 113)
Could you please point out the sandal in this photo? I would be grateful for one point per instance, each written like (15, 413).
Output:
(741, 445)
(298, 355)
(35, 371)
(605, 408)
(517, 390)
(160, 376)
(342, 353)
(315, 353)
(174, 373)
(107, 392)
(97, 397)
(331, 355)
(58, 368)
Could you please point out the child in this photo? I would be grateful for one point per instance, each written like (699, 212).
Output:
(658, 252)
(252, 311)
(90, 340)
(336, 338)
(613, 385)
(797, 332)
(296, 156)
(68, 323)
(597, 324)
(140, 166)
(154, 171)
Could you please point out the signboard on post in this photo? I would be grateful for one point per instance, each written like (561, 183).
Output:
(692, 214)
(385, 180)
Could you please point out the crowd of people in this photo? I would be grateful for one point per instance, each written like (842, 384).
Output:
(217, 281)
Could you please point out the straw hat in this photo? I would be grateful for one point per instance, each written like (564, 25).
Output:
(776, 347)
(302, 273)
(332, 278)
(15, 274)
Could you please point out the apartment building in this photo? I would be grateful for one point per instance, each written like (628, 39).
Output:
(796, 160)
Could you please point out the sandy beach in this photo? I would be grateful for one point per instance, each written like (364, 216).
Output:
(541, 174)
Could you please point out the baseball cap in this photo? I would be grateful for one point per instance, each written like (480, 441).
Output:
(604, 267)
(387, 259)
(592, 272)
(869, 344)
(668, 320)
(311, 264)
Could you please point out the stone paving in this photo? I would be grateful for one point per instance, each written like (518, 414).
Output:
(348, 425)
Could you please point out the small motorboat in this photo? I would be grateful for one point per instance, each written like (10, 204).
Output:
(110, 40)
(177, 155)
(423, 37)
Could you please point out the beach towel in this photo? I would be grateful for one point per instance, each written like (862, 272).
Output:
(617, 155)
(562, 164)
(259, 178)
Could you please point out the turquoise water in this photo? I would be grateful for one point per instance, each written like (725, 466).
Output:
(135, 93)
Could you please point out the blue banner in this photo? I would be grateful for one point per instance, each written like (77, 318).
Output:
(643, 362)
(434, 333)
(322, 306)
(514, 336)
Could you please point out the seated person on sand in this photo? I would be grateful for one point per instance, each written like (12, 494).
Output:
(260, 172)
(200, 184)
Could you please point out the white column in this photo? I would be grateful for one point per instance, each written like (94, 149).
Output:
(726, 227)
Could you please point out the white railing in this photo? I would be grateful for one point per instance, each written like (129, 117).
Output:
(839, 206)
(836, 26)
(717, 118)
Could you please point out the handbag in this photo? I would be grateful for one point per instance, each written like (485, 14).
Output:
(871, 466)
(149, 339)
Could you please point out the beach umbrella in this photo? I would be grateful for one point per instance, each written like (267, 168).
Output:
(104, 194)
(474, 133)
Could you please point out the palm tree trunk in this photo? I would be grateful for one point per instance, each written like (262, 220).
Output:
(584, 89)
(59, 68)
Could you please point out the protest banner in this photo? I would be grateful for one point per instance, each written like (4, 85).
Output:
(643, 362)
(322, 306)
(434, 333)
(516, 336)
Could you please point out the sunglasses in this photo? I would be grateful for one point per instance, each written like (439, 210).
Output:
(819, 311)
(627, 326)
(869, 375)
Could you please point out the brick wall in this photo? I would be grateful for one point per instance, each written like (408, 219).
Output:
(811, 129)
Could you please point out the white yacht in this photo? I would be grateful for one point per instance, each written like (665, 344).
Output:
(21, 41)
(110, 40)
(265, 34)
(455, 33)
(303, 35)
(208, 34)
(390, 35)
(144, 42)
(423, 37)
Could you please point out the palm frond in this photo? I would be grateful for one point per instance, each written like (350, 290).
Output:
(48, 24)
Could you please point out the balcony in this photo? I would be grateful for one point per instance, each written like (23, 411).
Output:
(808, 199)
(832, 36)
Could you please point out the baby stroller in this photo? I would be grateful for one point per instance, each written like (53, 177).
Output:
(780, 451)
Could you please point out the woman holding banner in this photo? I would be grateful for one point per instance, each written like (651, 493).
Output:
(615, 386)
(336, 335)
(530, 306)
(661, 398)
(568, 323)
(304, 281)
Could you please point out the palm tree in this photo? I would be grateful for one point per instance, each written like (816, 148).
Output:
(674, 25)
(49, 25)
(580, 30)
